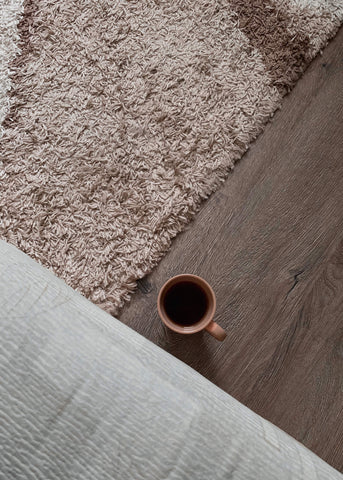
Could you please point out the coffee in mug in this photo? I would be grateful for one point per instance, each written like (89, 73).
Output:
(186, 304)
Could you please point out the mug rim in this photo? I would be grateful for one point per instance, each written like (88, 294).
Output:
(201, 324)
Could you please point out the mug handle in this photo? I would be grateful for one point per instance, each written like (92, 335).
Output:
(216, 331)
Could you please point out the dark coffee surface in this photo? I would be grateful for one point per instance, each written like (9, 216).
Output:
(185, 303)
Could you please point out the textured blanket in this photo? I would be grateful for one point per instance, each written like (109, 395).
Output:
(126, 114)
(84, 397)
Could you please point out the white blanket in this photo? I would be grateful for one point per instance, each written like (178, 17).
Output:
(82, 396)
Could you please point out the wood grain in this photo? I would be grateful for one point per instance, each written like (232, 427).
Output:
(270, 242)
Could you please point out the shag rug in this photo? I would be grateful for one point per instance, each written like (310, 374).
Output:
(126, 114)
(10, 11)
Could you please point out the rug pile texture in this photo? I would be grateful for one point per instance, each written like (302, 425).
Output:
(10, 12)
(124, 115)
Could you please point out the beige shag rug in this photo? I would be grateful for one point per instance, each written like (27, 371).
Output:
(126, 114)
(10, 12)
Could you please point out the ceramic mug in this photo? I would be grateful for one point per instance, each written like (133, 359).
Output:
(186, 304)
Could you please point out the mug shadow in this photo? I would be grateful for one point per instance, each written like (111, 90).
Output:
(194, 350)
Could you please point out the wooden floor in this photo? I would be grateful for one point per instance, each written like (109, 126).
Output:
(270, 242)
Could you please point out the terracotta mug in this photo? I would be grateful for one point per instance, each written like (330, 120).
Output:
(186, 304)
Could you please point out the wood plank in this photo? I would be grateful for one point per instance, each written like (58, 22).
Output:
(270, 243)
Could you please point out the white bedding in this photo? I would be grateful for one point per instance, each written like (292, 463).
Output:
(82, 396)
